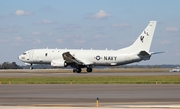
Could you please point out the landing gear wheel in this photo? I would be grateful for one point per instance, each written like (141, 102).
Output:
(74, 70)
(78, 70)
(89, 70)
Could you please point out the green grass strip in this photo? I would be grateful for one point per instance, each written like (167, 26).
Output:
(94, 80)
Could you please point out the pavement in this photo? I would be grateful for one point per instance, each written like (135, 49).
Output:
(37, 73)
(83, 96)
(80, 94)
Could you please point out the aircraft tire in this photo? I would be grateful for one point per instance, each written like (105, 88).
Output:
(78, 70)
(74, 70)
(89, 70)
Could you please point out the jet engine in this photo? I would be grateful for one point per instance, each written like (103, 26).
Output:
(58, 63)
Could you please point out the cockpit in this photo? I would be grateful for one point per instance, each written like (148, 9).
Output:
(24, 54)
(25, 57)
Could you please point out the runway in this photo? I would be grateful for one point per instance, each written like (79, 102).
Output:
(49, 74)
(70, 96)
(85, 95)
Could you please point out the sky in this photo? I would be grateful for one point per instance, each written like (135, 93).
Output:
(96, 24)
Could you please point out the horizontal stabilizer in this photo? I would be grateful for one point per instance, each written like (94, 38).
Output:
(152, 53)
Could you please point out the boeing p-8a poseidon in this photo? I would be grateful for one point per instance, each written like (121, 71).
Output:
(78, 58)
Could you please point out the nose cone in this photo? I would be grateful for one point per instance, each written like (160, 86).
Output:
(20, 57)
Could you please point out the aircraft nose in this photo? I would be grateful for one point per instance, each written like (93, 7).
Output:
(19, 57)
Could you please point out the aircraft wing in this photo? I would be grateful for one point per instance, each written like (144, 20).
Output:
(71, 59)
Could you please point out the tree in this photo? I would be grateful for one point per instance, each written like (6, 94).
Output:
(7, 65)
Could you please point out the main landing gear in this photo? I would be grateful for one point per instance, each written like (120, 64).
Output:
(78, 70)
(89, 69)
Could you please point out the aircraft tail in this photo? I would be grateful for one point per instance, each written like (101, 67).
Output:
(143, 42)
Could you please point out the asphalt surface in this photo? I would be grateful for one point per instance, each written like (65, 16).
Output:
(50, 74)
(87, 94)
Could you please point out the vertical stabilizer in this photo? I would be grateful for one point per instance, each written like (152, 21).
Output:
(143, 42)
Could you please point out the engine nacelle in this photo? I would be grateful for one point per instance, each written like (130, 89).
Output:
(58, 63)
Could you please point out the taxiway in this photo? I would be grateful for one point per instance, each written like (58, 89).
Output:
(74, 94)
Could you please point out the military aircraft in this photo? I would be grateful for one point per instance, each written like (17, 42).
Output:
(80, 58)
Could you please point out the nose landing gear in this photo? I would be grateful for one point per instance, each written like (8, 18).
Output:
(31, 67)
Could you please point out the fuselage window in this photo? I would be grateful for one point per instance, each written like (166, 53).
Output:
(46, 54)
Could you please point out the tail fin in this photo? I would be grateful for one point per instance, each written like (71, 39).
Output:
(143, 42)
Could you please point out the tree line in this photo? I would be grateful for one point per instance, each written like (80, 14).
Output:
(13, 65)
(8, 65)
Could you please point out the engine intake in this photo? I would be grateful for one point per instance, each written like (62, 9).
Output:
(58, 63)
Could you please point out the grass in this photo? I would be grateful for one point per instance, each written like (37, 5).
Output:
(94, 80)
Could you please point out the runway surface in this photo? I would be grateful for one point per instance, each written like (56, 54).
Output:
(36, 73)
(85, 95)
(80, 96)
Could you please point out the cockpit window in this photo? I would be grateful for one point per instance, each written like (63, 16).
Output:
(24, 53)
